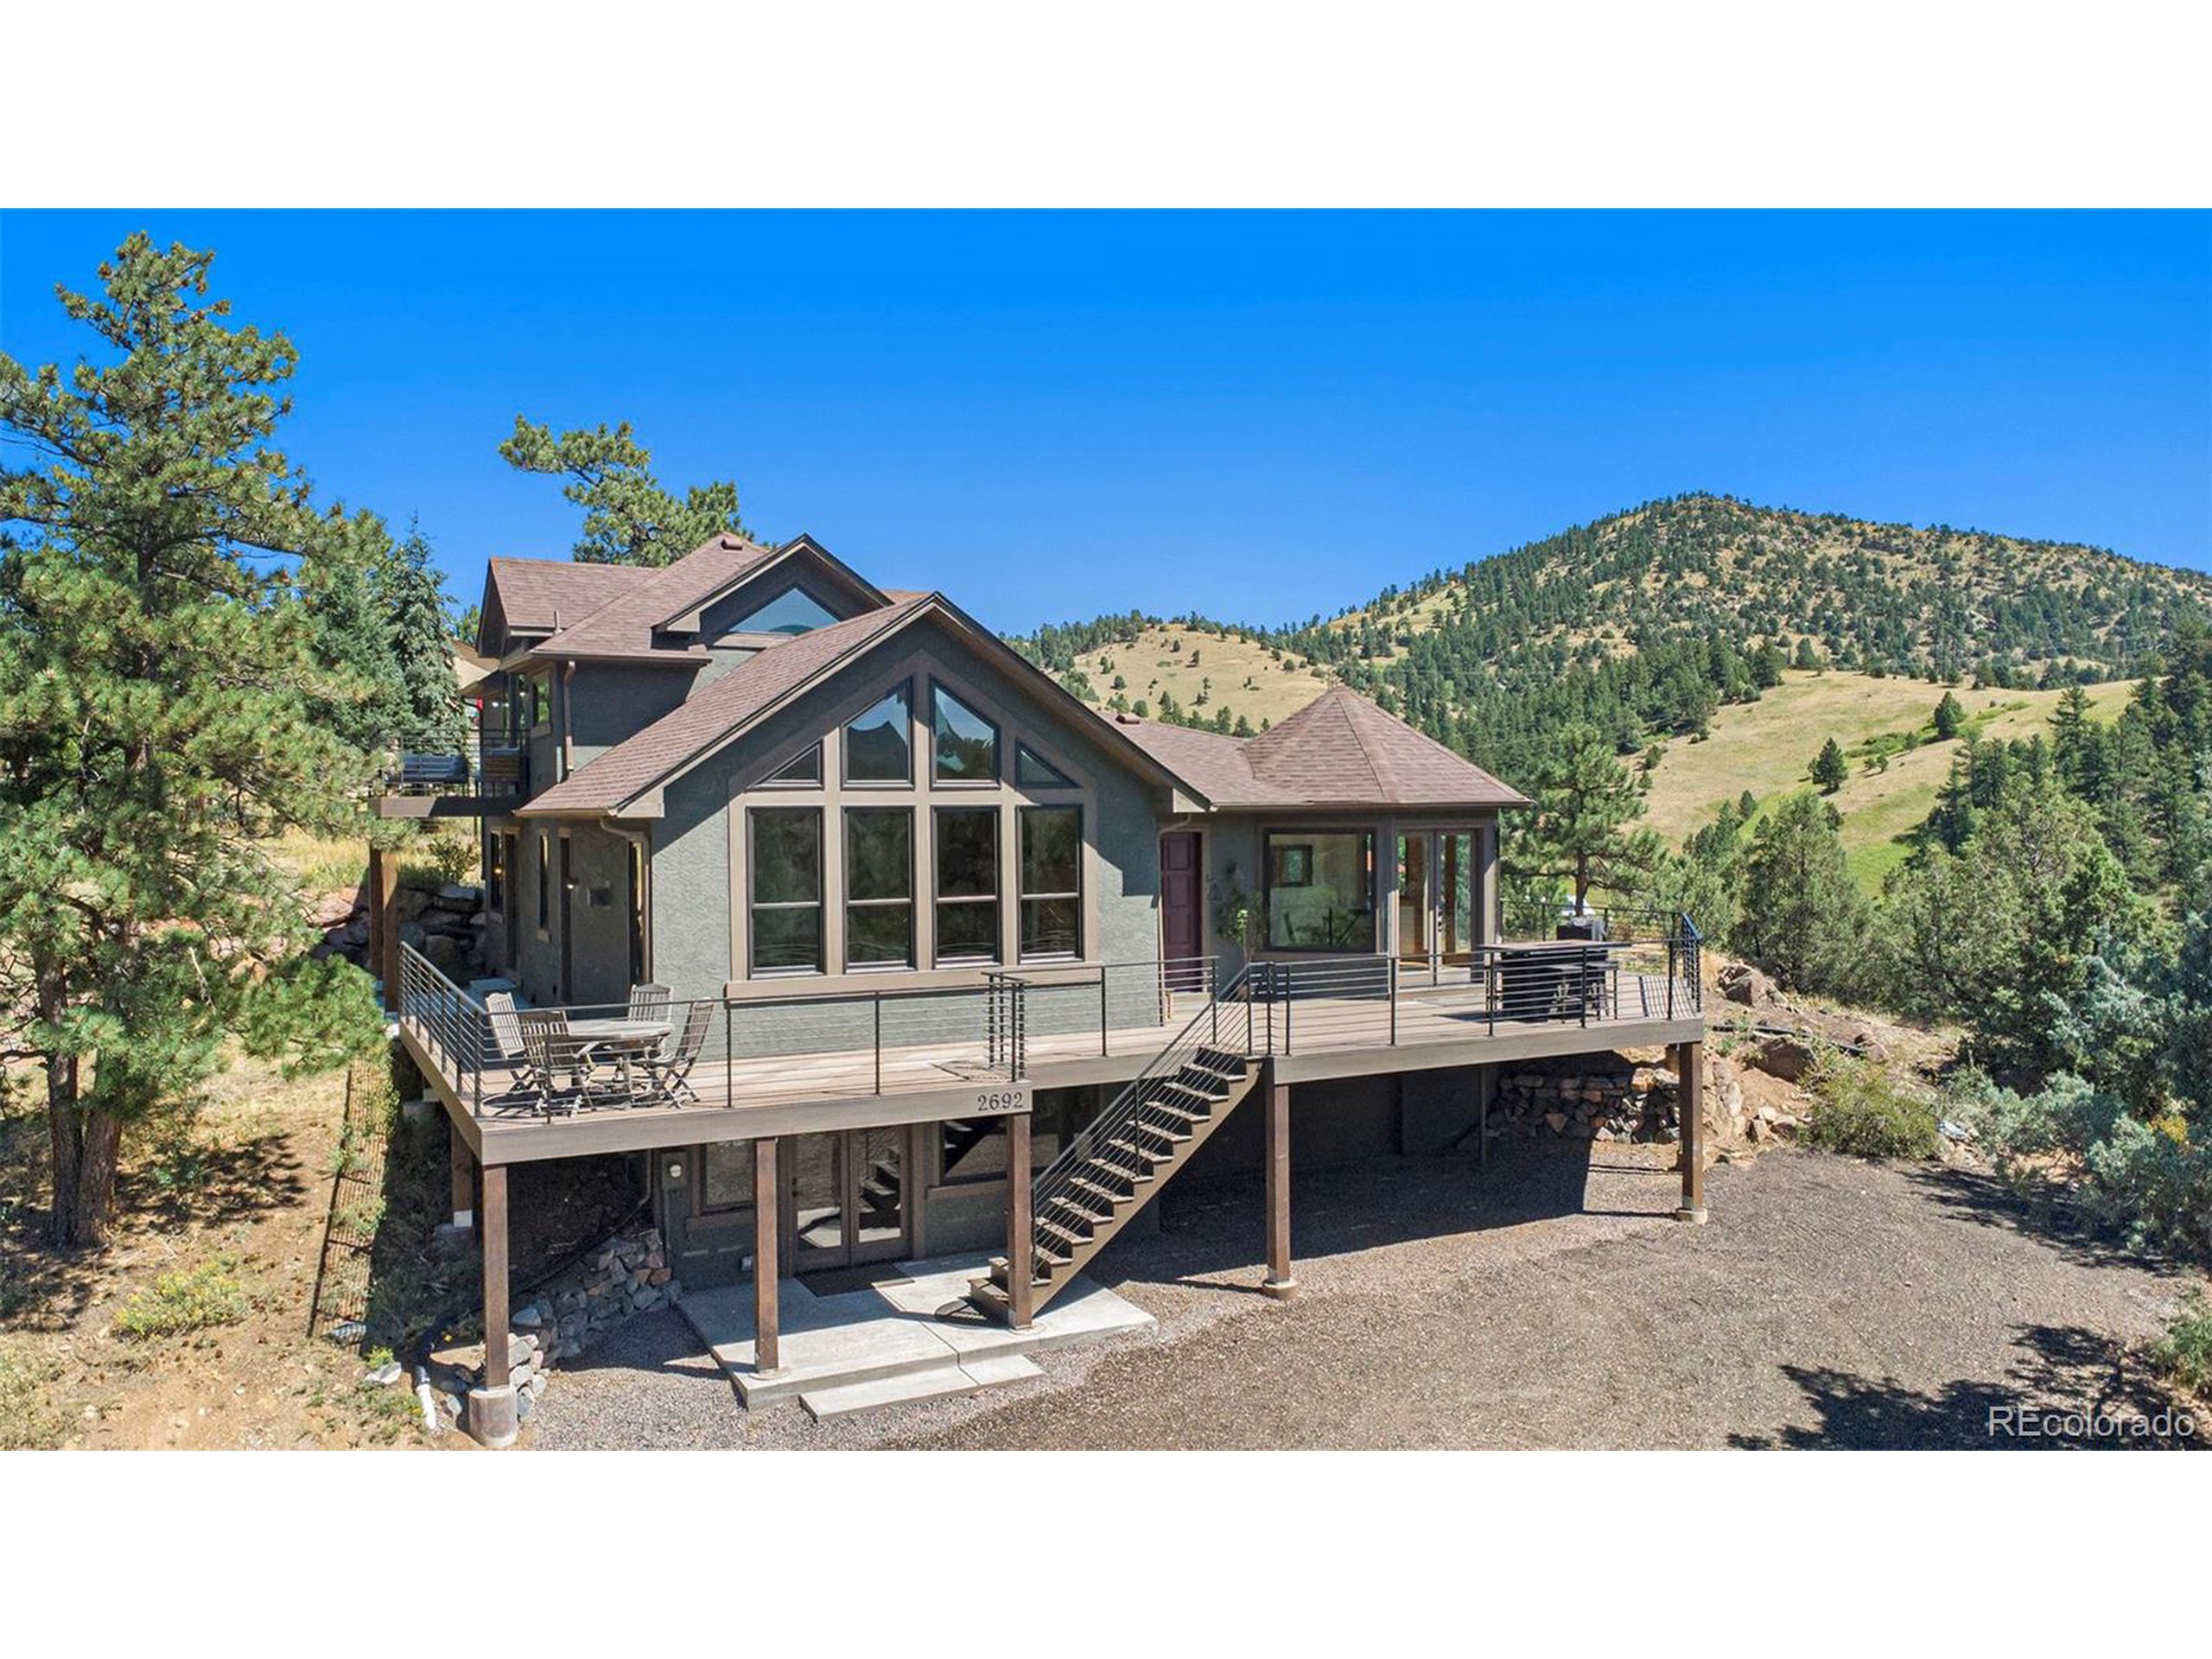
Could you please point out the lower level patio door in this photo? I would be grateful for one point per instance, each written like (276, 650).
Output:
(848, 1201)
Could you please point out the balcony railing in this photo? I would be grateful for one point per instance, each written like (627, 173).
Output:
(482, 768)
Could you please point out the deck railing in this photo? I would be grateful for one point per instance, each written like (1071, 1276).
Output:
(484, 766)
(985, 1030)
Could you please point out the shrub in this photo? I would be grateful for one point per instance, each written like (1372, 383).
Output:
(2183, 1354)
(1863, 1109)
(194, 1298)
(29, 1420)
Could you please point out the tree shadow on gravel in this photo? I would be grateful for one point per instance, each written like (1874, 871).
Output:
(2043, 1214)
(2068, 1387)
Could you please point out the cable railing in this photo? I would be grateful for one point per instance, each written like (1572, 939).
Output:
(484, 765)
(804, 1046)
(1114, 1138)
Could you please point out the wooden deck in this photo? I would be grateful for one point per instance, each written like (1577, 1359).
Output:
(1305, 1038)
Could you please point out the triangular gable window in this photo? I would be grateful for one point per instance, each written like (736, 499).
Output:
(805, 768)
(1033, 770)
(793, 611)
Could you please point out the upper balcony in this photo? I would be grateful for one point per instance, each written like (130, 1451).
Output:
(488, 775)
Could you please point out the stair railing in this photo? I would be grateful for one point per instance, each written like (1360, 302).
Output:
(1224, 1024)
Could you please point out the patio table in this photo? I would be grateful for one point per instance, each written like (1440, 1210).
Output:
(624, 1039)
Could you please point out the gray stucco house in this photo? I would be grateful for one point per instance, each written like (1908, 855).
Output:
(981, 966)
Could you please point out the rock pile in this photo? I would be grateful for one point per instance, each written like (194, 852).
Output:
(1605, 1098)
(624, 1276)
(446, 924)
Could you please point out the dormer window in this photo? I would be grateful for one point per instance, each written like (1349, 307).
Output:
(793, 611)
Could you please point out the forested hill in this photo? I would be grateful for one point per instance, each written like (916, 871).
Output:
(1645, 622)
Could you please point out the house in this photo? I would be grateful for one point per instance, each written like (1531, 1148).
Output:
(966, 965)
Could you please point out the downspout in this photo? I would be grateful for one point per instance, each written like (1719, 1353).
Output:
(568, 719)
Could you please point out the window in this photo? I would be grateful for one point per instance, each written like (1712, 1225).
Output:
(495, 875)
(1033, 771)
(541, 707)
(800, 769)
(967, 744)
(879, 887)
(1052, 881)
(786, 909)
(726, 1176)
(545, 884)
(971, 1151)
(1320, 889)
(967, 883)
(793, 611)
(879, 745)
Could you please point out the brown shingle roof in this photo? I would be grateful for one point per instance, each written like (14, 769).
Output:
(623, 625)
(633, 767)
(1339, 750)
(533, 593)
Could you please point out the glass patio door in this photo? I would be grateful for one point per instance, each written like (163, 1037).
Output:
(847, 1197)
(1440, 885)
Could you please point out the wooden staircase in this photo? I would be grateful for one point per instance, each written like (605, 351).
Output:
(1132, 1149)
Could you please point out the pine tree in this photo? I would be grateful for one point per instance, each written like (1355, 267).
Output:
(1580, 832)
(154, 659)
(629, 518)
(1950, 715)
(1805, 919)
(1830, 770)
(428, 700)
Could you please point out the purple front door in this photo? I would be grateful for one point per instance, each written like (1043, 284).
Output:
(1181, 938)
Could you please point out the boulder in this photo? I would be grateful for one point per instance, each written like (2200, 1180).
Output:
(331, 909)
(456, 897)
(1741, 983)
(1786, 1058)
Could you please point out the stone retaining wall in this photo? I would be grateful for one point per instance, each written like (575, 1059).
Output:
(1589, 1098)
(625, 1276)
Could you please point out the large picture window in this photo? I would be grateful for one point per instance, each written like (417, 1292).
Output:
(1052, 881)
(967, 883)
(879, 745)
(966, 746)
(786, 913)
(726, 1176)
(879, 887)
(1320, 889)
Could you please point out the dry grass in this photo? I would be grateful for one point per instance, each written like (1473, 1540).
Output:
(1768, 747)
(1246, 680)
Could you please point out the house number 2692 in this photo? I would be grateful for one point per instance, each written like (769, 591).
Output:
(1003, 1100)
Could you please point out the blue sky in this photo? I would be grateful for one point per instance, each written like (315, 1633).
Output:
(1255, 416)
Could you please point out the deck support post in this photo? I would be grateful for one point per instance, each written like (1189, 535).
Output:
(1689, 1111)
(1020, 1231)
(1279, 1283)
(492, 1416)
(383, 921)
(767, 1228)
(462, 1165)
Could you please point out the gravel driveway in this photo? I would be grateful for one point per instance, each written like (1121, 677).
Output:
(1549, 1302)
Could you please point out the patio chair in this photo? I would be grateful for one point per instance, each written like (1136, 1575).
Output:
(670, 1069)
(508, 1050)
(649, 1001)
(558, 1062)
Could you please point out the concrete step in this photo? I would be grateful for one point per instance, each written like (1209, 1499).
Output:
(940, 1382)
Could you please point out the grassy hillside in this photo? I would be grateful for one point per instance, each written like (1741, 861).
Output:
(1768, 747)
(1203, 672)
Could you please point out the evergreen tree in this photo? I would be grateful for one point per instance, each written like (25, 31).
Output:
(1950, 715)
(154, 659)
(1830, 770)
(1805, 920)
(427, 704)
(629, 518)
(1582, 830)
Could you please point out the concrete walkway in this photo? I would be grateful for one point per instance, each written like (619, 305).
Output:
(910, 1336)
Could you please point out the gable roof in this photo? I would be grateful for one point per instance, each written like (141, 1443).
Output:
(1338, 751)
(533, 594)
(623, 626)
(620, 781)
